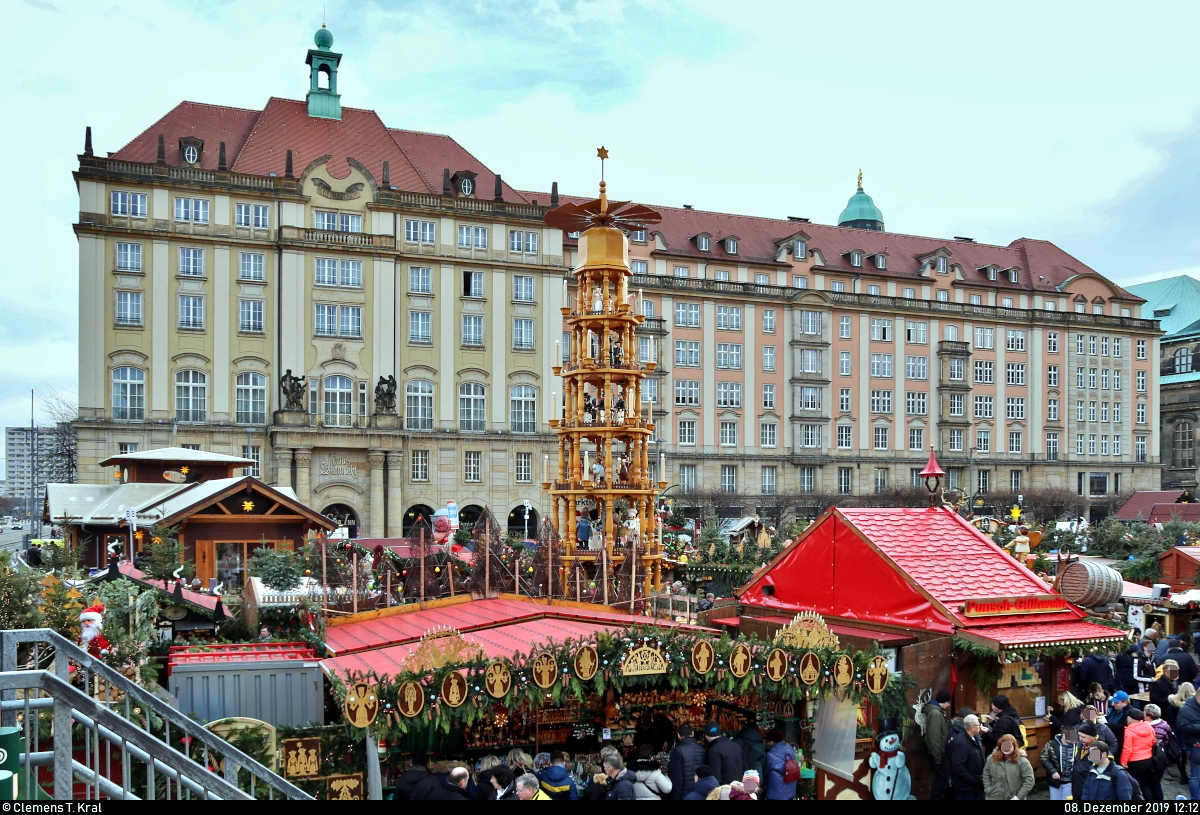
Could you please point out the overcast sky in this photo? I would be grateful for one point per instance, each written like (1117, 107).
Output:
(1073, 122)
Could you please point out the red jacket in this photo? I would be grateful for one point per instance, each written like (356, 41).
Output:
(1139, 742)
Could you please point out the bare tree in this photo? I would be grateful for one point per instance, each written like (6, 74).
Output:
(62, 409)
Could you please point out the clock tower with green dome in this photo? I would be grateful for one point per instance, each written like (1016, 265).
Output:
(323, 101)
(861, 212)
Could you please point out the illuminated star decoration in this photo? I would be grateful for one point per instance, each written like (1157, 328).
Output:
(247, 506)
(602, 153)
(184, 470)
(138, 535)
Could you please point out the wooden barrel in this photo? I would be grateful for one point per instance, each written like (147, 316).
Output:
(1088, 584)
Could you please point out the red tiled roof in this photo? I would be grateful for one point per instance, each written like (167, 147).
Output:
(431, 153)
(211, 123)
(409, 627)
(1165, 513)
(205, 601)
(1139, 505)
(1031, 634)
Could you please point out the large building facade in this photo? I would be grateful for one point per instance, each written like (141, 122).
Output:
(223, 249)
(27, 462)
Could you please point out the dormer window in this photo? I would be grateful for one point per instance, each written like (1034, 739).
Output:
(800, 250)
(991, 272)
(638, 236)
(856, 259)
(464, 182)
(702, 243)
(1097, 306)
(190, 154)
(731, 245)
(881, 261)
(1014, 275)
(191, 149)
(941, 265)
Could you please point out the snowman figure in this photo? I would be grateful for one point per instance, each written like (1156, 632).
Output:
(891, 781)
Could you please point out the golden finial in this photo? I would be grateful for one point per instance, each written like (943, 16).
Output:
(860, 178)
(602, 154)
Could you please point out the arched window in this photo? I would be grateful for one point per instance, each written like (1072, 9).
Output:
(471, 407)
(1183, 361)
(191, 396)
(1185, 445)
(339, 401)
(129, 394)
(522, 409)
(418, 405)
(251, 394)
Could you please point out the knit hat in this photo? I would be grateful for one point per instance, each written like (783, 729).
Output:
(773, 736)
(1120, 696)
(1087, 729)
(1000, 701)
(943, 696)
(750, 781)
(92, 614)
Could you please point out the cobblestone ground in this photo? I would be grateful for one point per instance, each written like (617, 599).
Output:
(1170, 784)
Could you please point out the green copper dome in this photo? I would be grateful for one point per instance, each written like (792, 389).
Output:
(323, 38)
(861, 212)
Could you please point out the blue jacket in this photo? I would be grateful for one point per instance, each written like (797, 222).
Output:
(702, 788)
(1187, 724)
(1112, 784)
(1095, 668)
(776, 789)
(558, 783)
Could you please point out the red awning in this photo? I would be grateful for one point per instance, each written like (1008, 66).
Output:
(734, 621)
(1048, 634)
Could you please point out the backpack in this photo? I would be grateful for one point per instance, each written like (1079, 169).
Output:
(1158, 759)
(1135, 789)
(791, 770)
(1171, 748)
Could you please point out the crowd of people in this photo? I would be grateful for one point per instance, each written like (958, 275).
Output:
(707, 766)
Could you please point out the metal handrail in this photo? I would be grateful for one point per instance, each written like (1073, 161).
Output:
(65, 650)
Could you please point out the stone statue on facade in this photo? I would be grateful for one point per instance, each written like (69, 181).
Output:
(292, 388)
(385, 395)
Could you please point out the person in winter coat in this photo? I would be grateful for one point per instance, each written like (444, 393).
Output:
(937, 730)
(1165, 684)
(1106, 781)
(685, 758)
(455, 786)
(1095, 668)
(724, 757)
(417, 783)
(1083, 762)
(703, 782)
(620, 780)
(1117, 717)
(528, 788)
(966, 757)
(746, 789)
(1137, 749)
(651, 783)
(484, 791)
(1166, 738)
(1185, 661)
(1066, 714)
(1007, 775)
(504, 784)
(1123, 666)
(1103, 731)
(1058, 760)
(1143, 666)
(556, 782)
(778, 752)
(1187, 730)
(1005, 720)
(753, 750)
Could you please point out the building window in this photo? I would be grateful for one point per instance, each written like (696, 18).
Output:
(473, 466)
(522, 334)
(881, 329)
(250, 316)
(984, 372)
(420, 327)
(985, 337)
(799, 250)
(252, 215)
(1141, 381)
(983, 441)
(339, 401)
(129, 394)
(1014, 441)
(687, 354)
(419, 231)
(472, 284)
(418, 407)
(1015, 407)
(129, 257)
(1091, 444)
(844, 400)
(810, 435)
(844, 363)
(1091, 378)
(472, 331)
(191, 209)
(351, 322)
(687, 431)
(638, 236)
(1052, 342)
(956, 441)
(728, 478)
(916, 438)
(1098, 484)
(957, 404)
(881, 262)
(420, 465)
(768, 397)
(881, 438)
(917, 403)
(729, 394)
(800, 281)
(687, 478)
(984, 407)
(916, 367)
(845, 480)
(983, 481)
(807, 478)
(522, 407)
(472, 416)
(728, 434)
(130, 204)
(1184, 450)
(639, 268)
(731, 246)
(1182, 359)
(768, 434)
(687, 315)
(523, 288)
(681, 271)
(856, 259)
(251, 398)
(768, 321)
(1052, 410)
(943, 296)
(917, 333)
(881, 401)
(191, 262)
(129, 308)
(837, 286)
(810, 361)
(702, 242)
(191, 312)
(729, 355)
(951, 332)
(650, 390)
(1015, 340)
(811, 322)
(420, 279)
(768, 358)
(519, 241)
(843, 327)
(1139, 449)
(687, 392)
(957, 369)
(873, 291)
(975, 300)
(881, 365)
(191, 396)
(1141, 413)
(1141, 349)
(252, 266)
(524, 468)
(845, 435)
(729, 317)
(1051, 447)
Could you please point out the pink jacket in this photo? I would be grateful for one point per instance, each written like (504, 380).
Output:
(1139, 742)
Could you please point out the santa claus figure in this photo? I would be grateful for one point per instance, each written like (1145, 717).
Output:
(91, 623)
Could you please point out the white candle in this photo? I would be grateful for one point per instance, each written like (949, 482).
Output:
(546, 468)
(586, 471)
(557, 353)
(564, 290)
(640, 306)
(662, 466)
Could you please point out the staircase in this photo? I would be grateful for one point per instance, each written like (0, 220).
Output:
(124, 743)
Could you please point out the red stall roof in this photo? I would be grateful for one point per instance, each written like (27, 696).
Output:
(914, 568)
